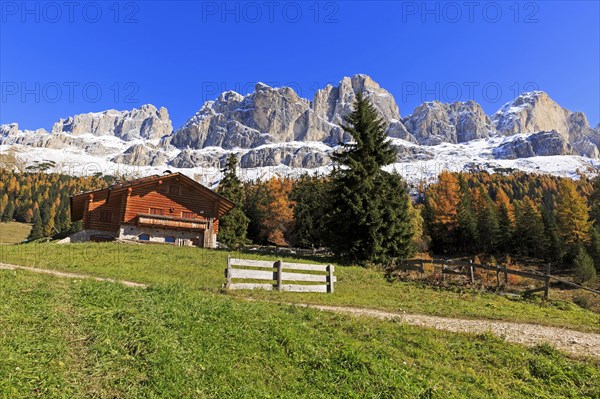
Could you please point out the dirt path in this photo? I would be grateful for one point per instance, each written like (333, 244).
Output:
(570, 341)
(6, 266)
(573, 342)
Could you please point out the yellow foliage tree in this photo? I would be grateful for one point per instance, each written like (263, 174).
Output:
(279, 212)
(572, 217)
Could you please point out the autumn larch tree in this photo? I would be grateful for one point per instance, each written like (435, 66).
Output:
(572, 218)
(278, 223)
(442, 205)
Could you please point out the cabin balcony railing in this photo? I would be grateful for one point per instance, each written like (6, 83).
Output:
(171, 222)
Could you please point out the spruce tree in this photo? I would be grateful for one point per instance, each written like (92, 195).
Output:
(487, 224)
(37, 231)
(584, 266)
(506, 221)
(530, 233)
(594, 247)
(233, 226)
(8, 213)
(310, 196)
(369, 220)
(256, 200)
(554, 248)
(467, 222)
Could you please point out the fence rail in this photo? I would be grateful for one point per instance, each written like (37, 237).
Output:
(452, 267)
(277, 273)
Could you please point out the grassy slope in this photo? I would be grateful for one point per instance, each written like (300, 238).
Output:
(78, 339)
(13, 232)
(161, 265)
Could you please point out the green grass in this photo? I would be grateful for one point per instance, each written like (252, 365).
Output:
(165, 266)
(62, 338)
(13, 232)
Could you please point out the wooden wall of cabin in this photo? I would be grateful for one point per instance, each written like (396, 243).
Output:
(103, 215)
(159, 196)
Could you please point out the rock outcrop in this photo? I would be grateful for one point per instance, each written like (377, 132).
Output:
(193, 158)
(537, 144)
(141, 155)
(433, 123)
(294, 157)
(146, 122)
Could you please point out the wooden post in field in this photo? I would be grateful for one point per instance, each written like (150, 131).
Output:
(497, 275)
(330, 269)
(471, 272)
(279, 266)
(443, 268)
(505, 275)
(547, 281)
(228, 273)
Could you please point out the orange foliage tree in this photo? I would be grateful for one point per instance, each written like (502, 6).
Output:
(278, 222)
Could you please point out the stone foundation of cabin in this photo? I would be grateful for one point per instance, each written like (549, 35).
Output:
(147, 234)
(89, 235)
(158, 235)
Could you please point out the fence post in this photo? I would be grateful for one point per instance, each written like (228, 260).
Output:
(279, 265)
(497, 276)
(443, 268)
(330, 269)
(505, 275)
(471, 272)
(547, 281)
(228, 273)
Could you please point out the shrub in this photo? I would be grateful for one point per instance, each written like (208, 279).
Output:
(583, 301)
(584, 266)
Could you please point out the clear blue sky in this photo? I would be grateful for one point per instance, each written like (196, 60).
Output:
(58, 59)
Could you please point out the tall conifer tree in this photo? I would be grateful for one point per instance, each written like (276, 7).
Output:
(369, 219)
(467, 222)
(233, 226)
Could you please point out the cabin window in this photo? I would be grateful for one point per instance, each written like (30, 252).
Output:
(144, 237)
(106, 217)
(174, 189)
(156, 211)
(187, 215)
(170, 239)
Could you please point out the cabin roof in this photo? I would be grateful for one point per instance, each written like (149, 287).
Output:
(78, 200)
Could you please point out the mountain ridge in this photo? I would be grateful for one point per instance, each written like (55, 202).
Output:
(270, 126)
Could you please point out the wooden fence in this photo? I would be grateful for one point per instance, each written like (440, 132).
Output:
(279, 272)
(455, 267)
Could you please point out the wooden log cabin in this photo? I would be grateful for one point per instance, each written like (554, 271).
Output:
(171, 208)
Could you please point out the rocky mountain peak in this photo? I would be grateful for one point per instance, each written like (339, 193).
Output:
(531, 112)
(536, 111)
(279, 115)
(9, 129)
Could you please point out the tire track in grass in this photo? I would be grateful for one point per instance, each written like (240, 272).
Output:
(7, 266)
